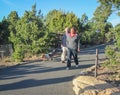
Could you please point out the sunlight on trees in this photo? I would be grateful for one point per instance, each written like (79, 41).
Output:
(34, 33)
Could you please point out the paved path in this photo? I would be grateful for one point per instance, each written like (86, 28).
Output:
(44, 78)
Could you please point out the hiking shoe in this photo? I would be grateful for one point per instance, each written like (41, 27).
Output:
(77, 66)
(63, 61)
(67, 68)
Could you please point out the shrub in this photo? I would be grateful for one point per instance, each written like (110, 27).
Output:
(111, 53)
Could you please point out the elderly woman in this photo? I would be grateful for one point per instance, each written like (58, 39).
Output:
(73, 46)
(63, 45)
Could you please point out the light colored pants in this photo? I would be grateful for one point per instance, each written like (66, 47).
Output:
(64, 53)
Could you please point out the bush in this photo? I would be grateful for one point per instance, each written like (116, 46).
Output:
(18, 55)
(111, 53)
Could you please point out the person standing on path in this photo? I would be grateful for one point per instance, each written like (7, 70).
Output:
(73, 46)
(63, 45)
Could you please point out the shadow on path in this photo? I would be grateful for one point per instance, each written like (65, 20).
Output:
(33, 83)
(25, 69)
(91, 51)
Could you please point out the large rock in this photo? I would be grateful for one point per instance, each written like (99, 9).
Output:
(87, 85)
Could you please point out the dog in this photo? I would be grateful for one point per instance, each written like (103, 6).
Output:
(45, 57)
(48, 56)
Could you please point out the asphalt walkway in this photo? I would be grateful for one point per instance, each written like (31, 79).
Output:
(45, 78)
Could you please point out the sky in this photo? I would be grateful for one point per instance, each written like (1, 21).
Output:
(78, 7)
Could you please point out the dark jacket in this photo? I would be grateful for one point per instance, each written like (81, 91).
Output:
(63, 40)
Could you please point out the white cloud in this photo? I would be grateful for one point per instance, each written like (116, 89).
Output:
(8, 2)
(115, 21)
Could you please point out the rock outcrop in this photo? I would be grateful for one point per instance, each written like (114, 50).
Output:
(88, 85)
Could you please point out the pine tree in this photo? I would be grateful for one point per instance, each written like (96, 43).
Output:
(4, 31)
(29, 35)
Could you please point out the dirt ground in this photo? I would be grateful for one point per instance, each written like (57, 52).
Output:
(108, 74)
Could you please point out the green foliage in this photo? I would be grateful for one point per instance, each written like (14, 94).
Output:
(115, 3)
(84, 24)
(100, 18)
(29, 36)
(44, 43)
(32, 33)
(18, 54)
(110, 36)
(88, 37)
(111, 54)
(13, 17)
(57, 20)
(117, 36)
(71, 20)
(102, 13)
(4, 31)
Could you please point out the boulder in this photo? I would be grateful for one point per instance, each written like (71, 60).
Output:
(88, 85)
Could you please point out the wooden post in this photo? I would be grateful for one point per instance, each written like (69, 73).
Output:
(96, 63)
(2, 54)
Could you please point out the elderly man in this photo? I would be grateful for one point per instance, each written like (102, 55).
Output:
(63, 45)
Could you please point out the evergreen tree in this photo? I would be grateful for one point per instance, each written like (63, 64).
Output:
(117, 36)
(4, 31)
(71, 20)
(57, 20)
(100, 19)
(113, 52)
(31, 36)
